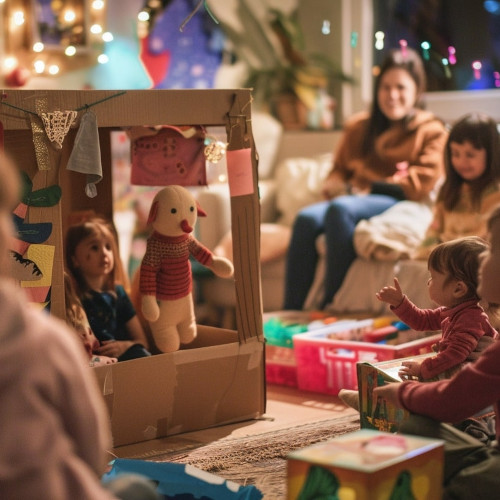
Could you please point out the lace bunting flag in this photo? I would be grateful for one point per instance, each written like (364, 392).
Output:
(57, 125)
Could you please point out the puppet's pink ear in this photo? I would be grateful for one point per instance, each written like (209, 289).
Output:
(153, 212)
(200, 211)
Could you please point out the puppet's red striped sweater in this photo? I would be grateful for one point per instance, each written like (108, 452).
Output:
(165, 270)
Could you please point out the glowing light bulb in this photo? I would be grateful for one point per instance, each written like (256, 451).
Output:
(143, 16)
(18, 18)
(325, 27)
(38, 47)
(69, 16)
(103, 59)
(70, 50)
(476, 66)
(39, 66)
(98, 5)
(96, 29)
(451, 55)
(53, 69)
(107, 36)
(379, 40)
(446, 67)
(425, 49)
(404, 47)
(10, 62)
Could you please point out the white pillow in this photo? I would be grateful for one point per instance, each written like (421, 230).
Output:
(299, 183)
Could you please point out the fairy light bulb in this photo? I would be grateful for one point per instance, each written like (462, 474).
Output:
(18, 18)
(496, 76)
(425, 49)
(98, 5)
(69, 16)
(379, 40)
(102, 59)
(96, 29)
(39, 66)
(326, 27)
(451, 55)
(10, 62)
(143, 16)
(70, 50)
(476, 66)
(107, 36)
(53, 69)
(38, 47)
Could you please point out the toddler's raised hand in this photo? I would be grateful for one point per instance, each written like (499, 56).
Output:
(391, 294)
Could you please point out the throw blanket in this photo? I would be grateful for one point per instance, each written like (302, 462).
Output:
(395, 233)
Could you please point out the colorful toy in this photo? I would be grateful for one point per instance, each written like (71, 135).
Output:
(165, 273)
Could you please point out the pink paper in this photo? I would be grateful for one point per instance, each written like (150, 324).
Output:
(239, 172)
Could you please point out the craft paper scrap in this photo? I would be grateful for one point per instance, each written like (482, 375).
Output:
(239, 172)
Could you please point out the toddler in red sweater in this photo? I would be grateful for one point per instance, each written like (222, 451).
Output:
(466, 329)
(471, 467)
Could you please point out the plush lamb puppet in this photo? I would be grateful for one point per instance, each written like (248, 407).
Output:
(165, 272)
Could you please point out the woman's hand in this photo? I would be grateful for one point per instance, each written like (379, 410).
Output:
(114, 348)
(391, 294)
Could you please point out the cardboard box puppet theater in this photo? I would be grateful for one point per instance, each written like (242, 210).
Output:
(217, 379)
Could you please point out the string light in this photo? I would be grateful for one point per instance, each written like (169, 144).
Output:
(326, 27)
(496, 76)
(77, 28)
(451, 55)
(425, 49)
(476, 66)
(379, 40)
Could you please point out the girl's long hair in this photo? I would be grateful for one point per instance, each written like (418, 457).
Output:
(481, 131)
(96, 226)
(410, 61)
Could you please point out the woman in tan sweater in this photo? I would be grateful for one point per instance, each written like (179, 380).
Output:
(394, 153)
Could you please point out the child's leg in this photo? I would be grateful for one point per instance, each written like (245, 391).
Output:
(465, 457)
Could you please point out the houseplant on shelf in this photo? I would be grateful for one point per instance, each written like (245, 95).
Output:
(287, 80)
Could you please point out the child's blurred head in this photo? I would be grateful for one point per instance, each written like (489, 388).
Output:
(475, 136)
(9, 198)
(86, 243)
(458, 261)
(489, 272)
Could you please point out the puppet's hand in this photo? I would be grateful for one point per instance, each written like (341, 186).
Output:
(222, 267)
(150, 308)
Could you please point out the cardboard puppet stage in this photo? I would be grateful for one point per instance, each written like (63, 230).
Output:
(217, 379)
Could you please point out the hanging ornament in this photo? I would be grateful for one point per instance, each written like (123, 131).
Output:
(57, 125)
(214, 149)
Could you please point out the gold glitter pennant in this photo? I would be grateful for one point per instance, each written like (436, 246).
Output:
(57, 125)
(41, 150)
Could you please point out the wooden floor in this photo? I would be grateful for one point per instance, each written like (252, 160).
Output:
(286, 407)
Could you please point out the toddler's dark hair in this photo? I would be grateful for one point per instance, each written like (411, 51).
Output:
(460, 259)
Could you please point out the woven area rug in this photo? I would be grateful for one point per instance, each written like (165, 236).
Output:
(260, 459)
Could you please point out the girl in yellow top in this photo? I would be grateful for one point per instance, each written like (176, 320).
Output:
(472, 185)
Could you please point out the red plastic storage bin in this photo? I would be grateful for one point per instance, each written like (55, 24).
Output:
(327, 365)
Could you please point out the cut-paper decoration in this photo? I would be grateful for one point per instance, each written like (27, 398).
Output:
(24, 269)
(239, 172)
(171, 156)
(86, 155)
(43, 257)
(57, 125)
(36, 232)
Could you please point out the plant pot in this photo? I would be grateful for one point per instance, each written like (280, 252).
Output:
(290, 111)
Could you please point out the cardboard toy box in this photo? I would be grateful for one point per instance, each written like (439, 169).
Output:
(380, 414)
(367, 465)
(220, 377)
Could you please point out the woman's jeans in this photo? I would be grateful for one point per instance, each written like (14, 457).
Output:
(336, 218)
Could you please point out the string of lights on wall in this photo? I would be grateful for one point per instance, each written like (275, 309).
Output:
(46, 38)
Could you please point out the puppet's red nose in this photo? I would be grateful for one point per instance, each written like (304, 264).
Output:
(185, 226)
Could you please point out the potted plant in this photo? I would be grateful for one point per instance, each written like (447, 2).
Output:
(289, 81)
